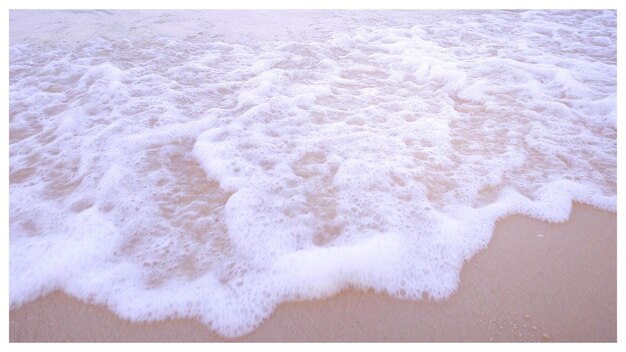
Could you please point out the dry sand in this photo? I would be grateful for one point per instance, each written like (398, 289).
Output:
(535, 282)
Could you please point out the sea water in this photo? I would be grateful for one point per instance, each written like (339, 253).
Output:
(213, 164)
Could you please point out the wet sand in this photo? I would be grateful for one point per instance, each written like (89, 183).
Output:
(536, 281)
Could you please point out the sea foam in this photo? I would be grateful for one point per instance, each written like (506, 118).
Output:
(191, 167)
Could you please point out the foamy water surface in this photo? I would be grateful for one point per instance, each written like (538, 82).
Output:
(212, 165)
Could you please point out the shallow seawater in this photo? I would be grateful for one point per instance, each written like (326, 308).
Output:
(213, 164)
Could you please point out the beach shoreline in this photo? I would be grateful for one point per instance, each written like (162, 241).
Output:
(535, 282)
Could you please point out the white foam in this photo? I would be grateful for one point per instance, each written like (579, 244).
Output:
(186, 172)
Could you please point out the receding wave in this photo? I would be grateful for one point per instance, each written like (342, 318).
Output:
(212, 176)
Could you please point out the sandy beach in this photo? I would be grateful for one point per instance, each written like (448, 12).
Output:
(536, 282)
(330, 176)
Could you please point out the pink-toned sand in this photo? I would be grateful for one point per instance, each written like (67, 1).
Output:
(535, 282)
